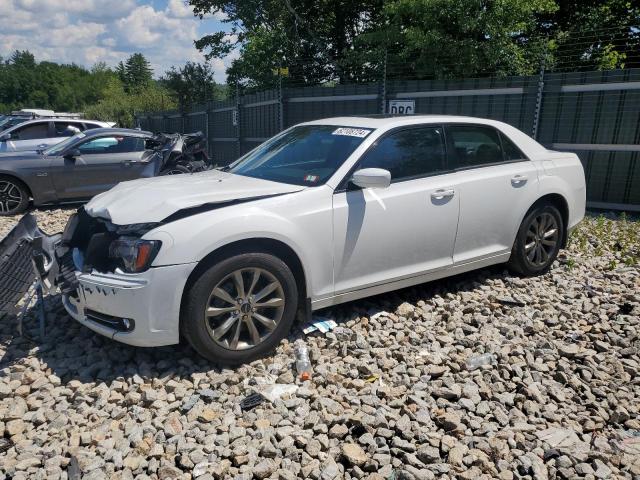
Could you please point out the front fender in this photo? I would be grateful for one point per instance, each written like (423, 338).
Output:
(308, 234)
(41, 188)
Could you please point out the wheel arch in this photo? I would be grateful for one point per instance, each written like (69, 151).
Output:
(13, 176)
(271, 246)
(560, 202)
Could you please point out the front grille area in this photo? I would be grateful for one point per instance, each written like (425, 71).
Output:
(67, 281)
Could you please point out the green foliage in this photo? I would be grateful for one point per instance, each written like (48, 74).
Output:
(309, 38)
(193, 83)
(485, 42)
(101, 93)
(119, 105)
(613, 237)
(335, 41)
(137, 72)
(26, 83)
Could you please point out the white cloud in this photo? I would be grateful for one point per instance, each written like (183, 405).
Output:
(90, 31)
(90, 8)
(179, 9)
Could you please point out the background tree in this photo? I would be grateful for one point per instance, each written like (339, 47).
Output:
(99, 92)
(137, 72)
(308, 37)
(593, 34)
(193, 83)
(338, 41)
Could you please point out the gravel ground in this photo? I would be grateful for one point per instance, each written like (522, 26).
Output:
(392, 395)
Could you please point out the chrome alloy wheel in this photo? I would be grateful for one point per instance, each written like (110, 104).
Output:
(10, 196)
(541, 239)
(244, 308)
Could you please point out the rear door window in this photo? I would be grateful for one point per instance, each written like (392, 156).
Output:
(511, 151)
(31, 131)
(474, 145)
(67, 129)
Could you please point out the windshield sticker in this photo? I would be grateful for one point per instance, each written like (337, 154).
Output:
(351, 132)
(311, 178)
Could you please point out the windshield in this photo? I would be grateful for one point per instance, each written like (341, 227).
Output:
(307, 155)
(10, 121)
(58, 148)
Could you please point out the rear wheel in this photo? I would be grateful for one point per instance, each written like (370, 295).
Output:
(14, 197)
(240, 308)
(538, 241)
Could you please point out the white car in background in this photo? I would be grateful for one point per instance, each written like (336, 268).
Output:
(42, 133)
(323, 213)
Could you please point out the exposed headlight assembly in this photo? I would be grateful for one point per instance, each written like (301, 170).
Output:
(134, 254)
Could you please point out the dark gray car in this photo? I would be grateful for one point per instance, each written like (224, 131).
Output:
(76, 169)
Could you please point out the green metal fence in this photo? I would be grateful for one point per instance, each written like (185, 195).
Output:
(594, 114)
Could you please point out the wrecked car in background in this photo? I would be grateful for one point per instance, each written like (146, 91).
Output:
(92, 162)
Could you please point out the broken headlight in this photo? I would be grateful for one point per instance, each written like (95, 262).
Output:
(135, 255)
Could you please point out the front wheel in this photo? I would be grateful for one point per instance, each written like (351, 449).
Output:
(538, 241)
(239, 309)
(14, 197)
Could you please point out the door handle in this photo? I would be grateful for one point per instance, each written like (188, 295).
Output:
(518, 180)
(43, 145)
(128, 163)
(443, 193)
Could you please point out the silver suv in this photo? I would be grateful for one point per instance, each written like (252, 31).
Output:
(42, 133)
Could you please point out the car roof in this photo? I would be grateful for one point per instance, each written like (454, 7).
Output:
(94, 132)
(383, 123)
(390, 121)
(60, 119)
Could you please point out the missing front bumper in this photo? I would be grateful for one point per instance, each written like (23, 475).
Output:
(26, 254)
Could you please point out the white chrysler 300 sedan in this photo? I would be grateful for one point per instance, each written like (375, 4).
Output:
(323, 213)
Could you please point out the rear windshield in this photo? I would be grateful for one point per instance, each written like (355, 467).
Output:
(306, 155)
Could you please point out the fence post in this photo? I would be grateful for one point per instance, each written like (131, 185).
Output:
(206, 126)
(280, 101)
(238, 119)
(539, 94)
(383, 87)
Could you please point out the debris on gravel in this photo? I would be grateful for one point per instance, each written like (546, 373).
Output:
(391, 394)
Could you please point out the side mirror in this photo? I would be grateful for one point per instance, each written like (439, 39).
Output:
(371, 178)
(73, 153)
(5, 137)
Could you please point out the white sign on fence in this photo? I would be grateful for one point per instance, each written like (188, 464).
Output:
(234, 117)
(402, 107)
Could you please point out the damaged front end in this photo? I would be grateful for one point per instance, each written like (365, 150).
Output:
(108, 286)
(95, 244)
(101, 270)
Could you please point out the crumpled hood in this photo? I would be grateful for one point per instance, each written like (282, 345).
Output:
(151, 200)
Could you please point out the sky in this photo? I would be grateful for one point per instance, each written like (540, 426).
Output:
(89, 31)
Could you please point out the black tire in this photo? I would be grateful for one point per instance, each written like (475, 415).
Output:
(543, 253)
(199, 332)
(10, 189)
(175, 170)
